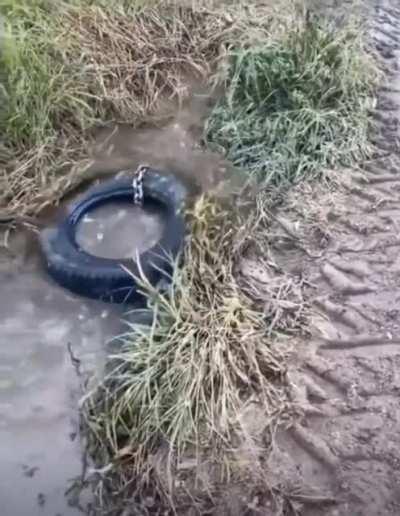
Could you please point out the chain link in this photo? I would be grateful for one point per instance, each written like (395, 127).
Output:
(137, 184)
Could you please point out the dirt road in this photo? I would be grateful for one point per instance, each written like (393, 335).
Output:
(343, 455)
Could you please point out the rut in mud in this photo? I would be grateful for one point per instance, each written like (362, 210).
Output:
(343, 455)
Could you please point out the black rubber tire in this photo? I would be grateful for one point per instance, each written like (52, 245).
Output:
(107, 279)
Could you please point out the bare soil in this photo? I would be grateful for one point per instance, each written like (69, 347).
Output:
(341, 457)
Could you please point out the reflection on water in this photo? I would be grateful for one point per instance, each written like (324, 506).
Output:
(117, 230)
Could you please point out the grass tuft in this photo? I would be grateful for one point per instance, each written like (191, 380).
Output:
(295, 106)
(183, 381)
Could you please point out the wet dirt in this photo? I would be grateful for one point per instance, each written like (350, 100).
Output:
(341, 457)
(118, 230)
(41, 325)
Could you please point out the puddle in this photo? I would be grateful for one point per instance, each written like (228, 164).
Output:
(118, 230)
(171, 144)
(39, 389)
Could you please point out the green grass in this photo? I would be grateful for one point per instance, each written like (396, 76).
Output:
(41, 89)
(181, 383)
(297, 106)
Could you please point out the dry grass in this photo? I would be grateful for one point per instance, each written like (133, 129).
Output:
(181, 384)
(67, 69)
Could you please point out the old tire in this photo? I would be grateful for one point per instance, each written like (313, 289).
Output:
(107, 279)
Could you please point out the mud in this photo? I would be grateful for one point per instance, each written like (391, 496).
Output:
(343, 452)
(41, 453)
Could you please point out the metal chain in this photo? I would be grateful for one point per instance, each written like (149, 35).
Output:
(137, 184)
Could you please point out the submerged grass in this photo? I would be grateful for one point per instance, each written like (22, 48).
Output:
(295, 106)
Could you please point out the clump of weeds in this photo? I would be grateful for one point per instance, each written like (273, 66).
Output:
(178, 386)
(295, 106)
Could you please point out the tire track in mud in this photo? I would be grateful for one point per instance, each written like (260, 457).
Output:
(347, 444)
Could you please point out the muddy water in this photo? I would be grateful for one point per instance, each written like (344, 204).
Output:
(170, 142)
(119, 230)
(41, 324)
(40, 452)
